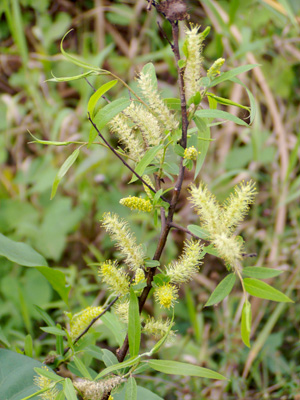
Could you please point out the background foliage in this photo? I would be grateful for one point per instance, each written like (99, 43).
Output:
(122, 37)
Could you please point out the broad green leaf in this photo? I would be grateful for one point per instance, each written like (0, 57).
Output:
(145, 161)
(149, 69)
(198, 231)
(222, 290)
(82, 368)
(202, 147)
(246, 323)
(96, 96)
(232, 73)
(57, 280)
(179, 368)
(20, 253)
(28, 346)
(264, 291)
(17, 373)
(70, 78)
(220, 114)
(142, 394)
(134, 325)
(227, 102)
(124, 364)
(95, 352)
(131, 389)
(45, 317)
(109, 358)
(261, 272)
(69, 390)
(48, 373)
(173, 104)
(106, 114)
(63, 170)
(53, 330)
(113, 324)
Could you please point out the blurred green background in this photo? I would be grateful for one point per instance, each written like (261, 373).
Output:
(122, 36)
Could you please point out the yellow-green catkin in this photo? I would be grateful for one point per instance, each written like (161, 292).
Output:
(119, 231)
(149, 192)
(229, 248)
(137, 203)
(146, 122)
(133, 145)
(139, 276)
(190, 153)
(82, 319)
(166, 295)
(157, 328)
(156, 103)
(94, 390)
(187, 265)
(122, 309)
(214, 70)
(194, 45)
(43, 382)
(207, 208)
(114, 277)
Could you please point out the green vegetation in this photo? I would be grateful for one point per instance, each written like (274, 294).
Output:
(73, 248)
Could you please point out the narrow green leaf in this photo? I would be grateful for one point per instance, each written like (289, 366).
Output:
(97, 95)
(69, 390)
(17, 30)
(220, 114)
(28, 346)
(198, 231)
(131, 389)
(48, 142)
(232, 73)
(253, 106)
(82, 368)
(94, 351)
(179, 368)
(70, 78)
(109, 358)
(134, 325)
(60, 396)
(246, 323)
(59, 345)
(106, 114)
(3, 338)
(152, 263)
(57, 280)
(222, 290)
(203, 145)
(114, 325)
(264, 291)
(48, 374)
(145, 161)
(63, 170)
(53, 330)
(162, 341)
(45, 317)
(227, 102)
(124, 364)
(20, 253)
(173, 104)
(261, 272)
(211, 250)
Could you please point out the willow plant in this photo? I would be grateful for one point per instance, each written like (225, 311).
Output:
(151, 130)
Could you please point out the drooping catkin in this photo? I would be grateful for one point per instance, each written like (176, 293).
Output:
(94, 390)
(42, 382)
(114, 277)
(137, 203)
(82, 319)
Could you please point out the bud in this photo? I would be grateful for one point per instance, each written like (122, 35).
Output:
(214, 70)
(190, 153)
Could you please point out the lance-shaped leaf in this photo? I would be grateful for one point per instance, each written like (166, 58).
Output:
(264, 291)
(70, 78)
(131, 389)
(232, 73)
(203, 145)
(222, 290)
(220, 114)
(261, 272)
(246, 323)
(145, 161)
(96, 96)
(134, 325)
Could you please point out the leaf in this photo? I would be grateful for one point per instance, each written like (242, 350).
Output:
(69, 390)
(106, 114)
(116, 367)
(227, 102)
(96, 96)
(17, 372)
(48, 373)
(173, 104)
(211, 250)
(145, 161)
(20, 253)
(264, 291)
(113, 324)
(109, 358)
(28, 346)
(251, 98)
(198, 231)
(57, 280)
(179, 368)
(261, 272)
(220, 114)
(149, 69)
(45, 317)
(152, 263)
(70, 78)
(232, 73)
(131, 389)
(203, 145)
(134, 325)
(53, 330)
(82, 368)
(246, 323)
(222, 290)
(63, 170)
(48, 142)
(162, 341)
(94, 351)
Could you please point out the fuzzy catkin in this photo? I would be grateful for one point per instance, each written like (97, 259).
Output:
(94, 390)
(157, 328)
(137, 203)
(115, 278)
(82, 319)
(42, 382)
(166, 295)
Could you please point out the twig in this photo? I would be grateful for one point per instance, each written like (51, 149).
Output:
(123, 161)
(92, 323)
